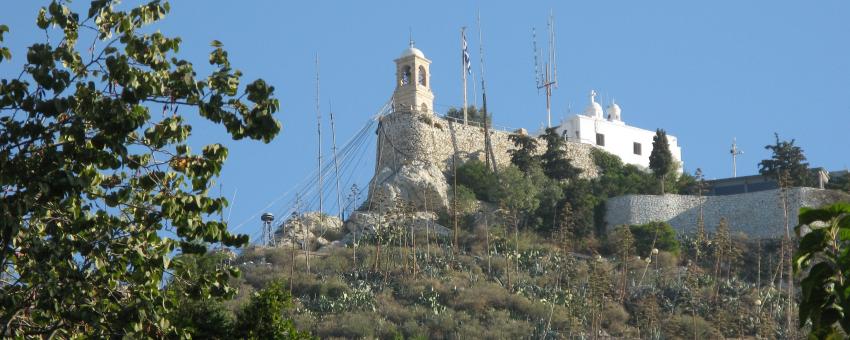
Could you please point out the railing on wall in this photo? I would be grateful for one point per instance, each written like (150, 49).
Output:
(477, 124)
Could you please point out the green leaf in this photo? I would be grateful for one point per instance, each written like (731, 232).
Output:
(42, 20)
(5, 54)
(814, 241)
(808, 216)
(86, 186)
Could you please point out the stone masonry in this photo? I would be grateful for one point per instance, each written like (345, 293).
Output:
(405, 138)
(757, 214)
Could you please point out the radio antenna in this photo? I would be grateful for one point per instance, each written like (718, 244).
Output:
(735, 153)
(546, 77)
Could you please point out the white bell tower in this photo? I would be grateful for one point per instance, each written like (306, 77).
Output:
(413, 83)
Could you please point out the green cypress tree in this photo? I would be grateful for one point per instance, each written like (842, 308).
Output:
(661, 159)
(524, 156)
(556, 165)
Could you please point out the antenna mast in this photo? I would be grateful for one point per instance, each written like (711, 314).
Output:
(735, 152)
(336, 163)
(488, 149)
(319, 130)
(546, 77)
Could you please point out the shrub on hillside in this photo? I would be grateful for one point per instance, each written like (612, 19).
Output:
(465, 199)
(263, 317)
(518, 192)
(659, 234)
(475, 175)
(355, 325)
(616, 178)
(690, 327)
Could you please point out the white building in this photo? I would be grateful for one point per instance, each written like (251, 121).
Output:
(633, 145)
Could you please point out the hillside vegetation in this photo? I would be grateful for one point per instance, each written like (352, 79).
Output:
(531, 259)
(528, 287)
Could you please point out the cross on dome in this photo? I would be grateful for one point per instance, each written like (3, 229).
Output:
(594, 109)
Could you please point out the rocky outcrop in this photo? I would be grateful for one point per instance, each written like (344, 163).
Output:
(363, 223)
(416, 151)
(421, 184)
(312, 227)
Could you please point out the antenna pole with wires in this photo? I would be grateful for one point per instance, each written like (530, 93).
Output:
(546, 75)
(490, 158)
(336, 164)
(320, 188)
(319, 130)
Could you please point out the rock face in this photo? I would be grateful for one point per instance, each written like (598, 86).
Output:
(317, 229)
(368, 222)
(415, 152)
(419, 183)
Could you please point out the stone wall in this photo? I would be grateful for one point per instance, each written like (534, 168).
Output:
(757, 214)
(404, 138)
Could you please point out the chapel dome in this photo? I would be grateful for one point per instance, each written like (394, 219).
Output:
(412, 51)
(614, 112)
(593, 110)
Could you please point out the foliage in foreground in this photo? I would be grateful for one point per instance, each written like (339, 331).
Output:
(263, 317)
(260, 317)
(91, 180)
(824, 255)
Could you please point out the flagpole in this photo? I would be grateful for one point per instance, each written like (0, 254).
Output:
(463, 69)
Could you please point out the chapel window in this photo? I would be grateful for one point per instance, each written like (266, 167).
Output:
(600, 139)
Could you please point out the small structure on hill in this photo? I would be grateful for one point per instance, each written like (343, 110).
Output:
(416, 148)
(632, 144)
(754, 183)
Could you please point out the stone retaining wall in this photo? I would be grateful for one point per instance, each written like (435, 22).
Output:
(407, 137)
(757, 214)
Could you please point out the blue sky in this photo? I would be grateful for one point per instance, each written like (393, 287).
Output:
(704, 71)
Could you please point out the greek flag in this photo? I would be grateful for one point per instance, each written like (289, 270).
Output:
(466, 62)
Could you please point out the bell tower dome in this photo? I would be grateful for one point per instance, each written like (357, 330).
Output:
(413, 83)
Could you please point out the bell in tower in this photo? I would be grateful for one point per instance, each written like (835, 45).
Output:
(413, 83)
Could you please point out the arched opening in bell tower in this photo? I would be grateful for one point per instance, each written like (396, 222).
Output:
(405, 75)
(423, 76)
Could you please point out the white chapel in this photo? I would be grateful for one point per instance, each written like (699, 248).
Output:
(632, 144)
